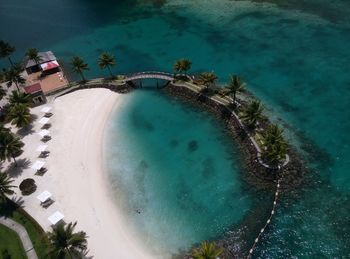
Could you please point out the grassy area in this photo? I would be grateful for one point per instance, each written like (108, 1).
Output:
(35, 232)
(10, 244)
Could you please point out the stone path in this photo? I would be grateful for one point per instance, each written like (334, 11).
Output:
(23, 235)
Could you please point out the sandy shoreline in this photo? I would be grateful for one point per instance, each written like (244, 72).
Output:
(75, 174)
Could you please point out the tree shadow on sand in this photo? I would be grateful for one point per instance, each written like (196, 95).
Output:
(26, 130)
(18, 200)
(16, 170)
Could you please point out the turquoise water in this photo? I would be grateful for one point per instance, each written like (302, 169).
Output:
(294, 55)
(160, 163)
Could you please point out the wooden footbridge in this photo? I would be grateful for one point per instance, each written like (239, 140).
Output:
(137, 78)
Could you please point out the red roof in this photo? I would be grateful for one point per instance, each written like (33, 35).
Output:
(49, 65)
(32, 88)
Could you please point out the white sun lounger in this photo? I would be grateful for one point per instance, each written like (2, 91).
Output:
(44, 196)
(45, 109)
(56, 217)
(44, 132)
(41, 148)
(44, 120)
(38, 164)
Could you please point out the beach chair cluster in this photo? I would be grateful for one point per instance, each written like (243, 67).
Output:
(45, 198)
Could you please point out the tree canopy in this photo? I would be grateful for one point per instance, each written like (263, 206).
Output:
(13, 76)
(207, 251)
(19, 115)
(33, 54)
(182, 65)
(6, 50)
(79, 66)
(252, 113)
(65, 243)
(208, 78)
(10, 146)
(107, 60)
(5, 186)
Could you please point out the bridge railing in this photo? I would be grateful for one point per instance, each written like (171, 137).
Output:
(150, 73)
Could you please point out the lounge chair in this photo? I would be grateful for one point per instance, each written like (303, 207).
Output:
(47, 203)
(41, 171)
(44, 154)
(46, 138)
(46, 126)
(48, 114)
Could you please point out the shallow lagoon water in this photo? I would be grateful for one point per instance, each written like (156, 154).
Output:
(177, 171)
(293, 55)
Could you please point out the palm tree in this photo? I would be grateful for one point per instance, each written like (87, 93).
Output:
(33, 54)
(13, 75)
(10, 146)
(207, 251)
(2, 93)
(273, 135)
(274, 145)
(65, 243)
(252, 113)
(19, 98)
(6, 50)
(106, 60)
(3, 130)
(79, 66)
(19, 115)
(235, 86)
(5, 186)
(208, 78)
(182, 65)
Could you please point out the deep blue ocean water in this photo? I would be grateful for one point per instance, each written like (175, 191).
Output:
(294, 55)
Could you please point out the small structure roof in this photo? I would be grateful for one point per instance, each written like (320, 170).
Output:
(44, 57)
(32, 88)
(56, 217)
(44, 196)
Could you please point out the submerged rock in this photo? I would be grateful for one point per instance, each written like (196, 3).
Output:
(192, 146)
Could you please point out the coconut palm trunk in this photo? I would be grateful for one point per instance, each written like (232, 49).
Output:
(10, 60)
(110, 71)
(14, 159)
(82, 76)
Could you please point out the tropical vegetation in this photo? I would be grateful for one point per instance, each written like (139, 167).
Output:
(207, 250)
(65, 243)
(252, 113)
(19, 115)
(182, 65)
(13, 76)
(235, 86)
(274, 145)
(38, 237)
(6, 50)
(208, 79)
(2, 93)
(106, 60)
(6, 187)
(10, 146)
(10, 246)
(33, 54)
(19, 98)
(79, 66)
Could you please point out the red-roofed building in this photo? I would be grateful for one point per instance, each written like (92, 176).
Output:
(36, 92)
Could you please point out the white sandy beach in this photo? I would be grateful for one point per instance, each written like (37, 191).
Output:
(75, 174)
